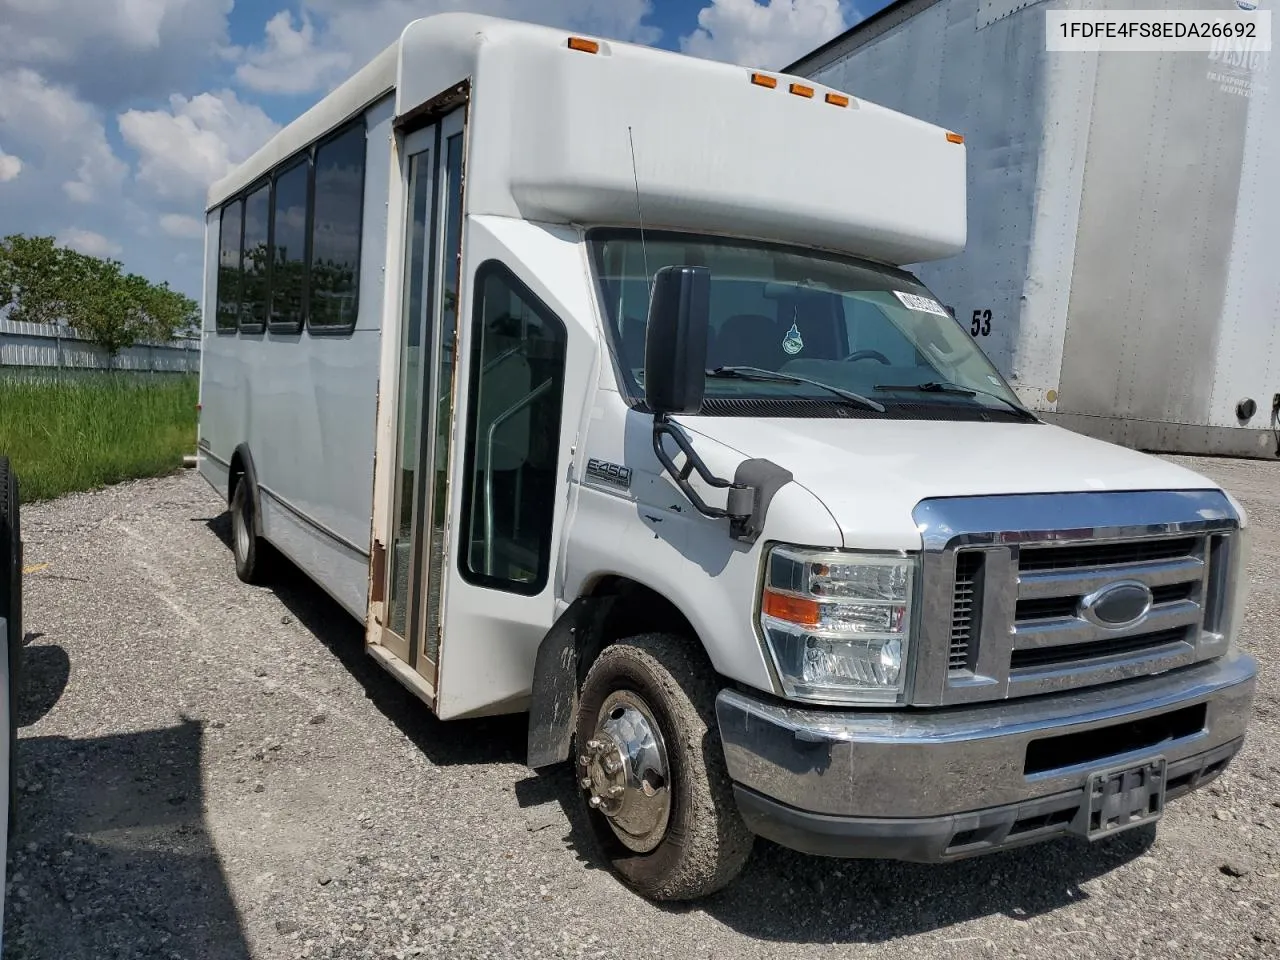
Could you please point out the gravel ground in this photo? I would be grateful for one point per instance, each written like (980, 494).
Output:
(211, 770)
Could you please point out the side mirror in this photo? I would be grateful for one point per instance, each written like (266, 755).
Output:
(675, 345)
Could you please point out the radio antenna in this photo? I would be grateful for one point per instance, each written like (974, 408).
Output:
(644, 250)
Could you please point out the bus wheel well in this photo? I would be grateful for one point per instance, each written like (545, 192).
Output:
(236, 472)
(613, 609)
(628, 608)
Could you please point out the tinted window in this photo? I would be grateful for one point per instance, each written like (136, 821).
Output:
(288, 244)
(513, 435)
(335, 233)
(852, 324)
(229, 267)
(253, 300)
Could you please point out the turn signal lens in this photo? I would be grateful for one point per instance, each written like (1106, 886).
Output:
(800, 90)
(955, 137)
(837, 99)
(792, 609)
(764, 80)
(584, 45)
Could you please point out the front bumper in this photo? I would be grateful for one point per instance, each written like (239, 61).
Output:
(944, 784)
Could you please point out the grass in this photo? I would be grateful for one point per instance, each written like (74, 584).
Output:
(79, 432)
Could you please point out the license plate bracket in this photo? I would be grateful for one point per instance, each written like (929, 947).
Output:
(1122, 798)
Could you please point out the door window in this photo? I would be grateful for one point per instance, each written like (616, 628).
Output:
(513, 434)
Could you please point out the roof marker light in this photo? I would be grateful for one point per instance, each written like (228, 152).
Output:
(955, 137)
(584, 45)
(764, 80)
(837, 99)
(800, 90)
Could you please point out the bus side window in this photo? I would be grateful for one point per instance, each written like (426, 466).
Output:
(255, 293)
(337, 222)
(513, 435)
(229, 276)
(288, 247)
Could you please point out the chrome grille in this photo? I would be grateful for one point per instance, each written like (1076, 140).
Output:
(963, 610)
(1049, 627)
(1054, 656)
(1074, 555)
(1005, 581)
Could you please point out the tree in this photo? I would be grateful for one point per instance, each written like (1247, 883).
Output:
(108, 307)
(169, 314)
(38, 278)
(41, 282)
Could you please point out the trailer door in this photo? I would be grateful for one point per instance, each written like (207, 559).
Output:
(424, 401)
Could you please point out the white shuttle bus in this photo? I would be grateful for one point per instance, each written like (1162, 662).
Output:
(585, 375)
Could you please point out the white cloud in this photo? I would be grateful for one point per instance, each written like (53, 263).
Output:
(771, 34)
(112, 50)
(88, 242)
(290, 62)
(183, 149)
(62, 132)
(10, 167)
(337, 37)
(182, 226)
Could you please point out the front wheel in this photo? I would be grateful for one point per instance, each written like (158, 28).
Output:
(652, 771)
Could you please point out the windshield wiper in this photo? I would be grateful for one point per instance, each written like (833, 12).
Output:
(954, 389)
(772, 376)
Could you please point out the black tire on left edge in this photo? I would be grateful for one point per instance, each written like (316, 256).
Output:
(252, 553)
(11, 611)
(703, 843)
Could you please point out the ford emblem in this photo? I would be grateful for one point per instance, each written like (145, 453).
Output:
(1117, 604)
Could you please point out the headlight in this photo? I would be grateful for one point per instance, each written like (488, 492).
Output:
(838, 625)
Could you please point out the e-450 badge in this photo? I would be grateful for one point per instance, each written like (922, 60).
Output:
(614, 474)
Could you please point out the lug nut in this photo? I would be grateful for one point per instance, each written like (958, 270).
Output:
(612, 766)
(616, 790)
(594, 746)
(595, 802)
(584, 761)
(585, 783)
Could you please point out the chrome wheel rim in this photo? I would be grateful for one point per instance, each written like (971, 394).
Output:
(240, 529)
(624, 770)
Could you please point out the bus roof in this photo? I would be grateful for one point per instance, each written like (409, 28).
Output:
(613, 133)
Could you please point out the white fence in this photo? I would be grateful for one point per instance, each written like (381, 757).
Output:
(48, 346)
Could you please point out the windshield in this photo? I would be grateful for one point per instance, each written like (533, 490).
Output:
(855, 325)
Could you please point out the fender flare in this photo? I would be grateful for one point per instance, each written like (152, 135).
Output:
(251, 475)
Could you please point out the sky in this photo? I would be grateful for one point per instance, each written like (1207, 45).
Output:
(116, 115)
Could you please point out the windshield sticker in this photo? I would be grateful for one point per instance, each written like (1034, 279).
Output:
(792, 342)
(923, 304)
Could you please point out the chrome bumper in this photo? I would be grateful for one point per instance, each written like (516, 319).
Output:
(911, 784)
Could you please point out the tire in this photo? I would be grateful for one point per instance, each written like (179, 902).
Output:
(702, 844)
(11, 611)
(252, 553)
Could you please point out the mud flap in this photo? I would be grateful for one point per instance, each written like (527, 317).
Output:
(553, 707)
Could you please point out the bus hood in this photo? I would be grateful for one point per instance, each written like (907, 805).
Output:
(870, 474)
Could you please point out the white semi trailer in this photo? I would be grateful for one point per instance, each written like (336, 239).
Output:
(1124, 217)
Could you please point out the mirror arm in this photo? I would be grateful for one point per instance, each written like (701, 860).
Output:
(739, 494)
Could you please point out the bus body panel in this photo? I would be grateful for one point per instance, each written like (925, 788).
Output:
(304, 404)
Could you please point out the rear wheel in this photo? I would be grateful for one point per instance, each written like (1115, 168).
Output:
(652, 770)
(251, 551)
(11, 611)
